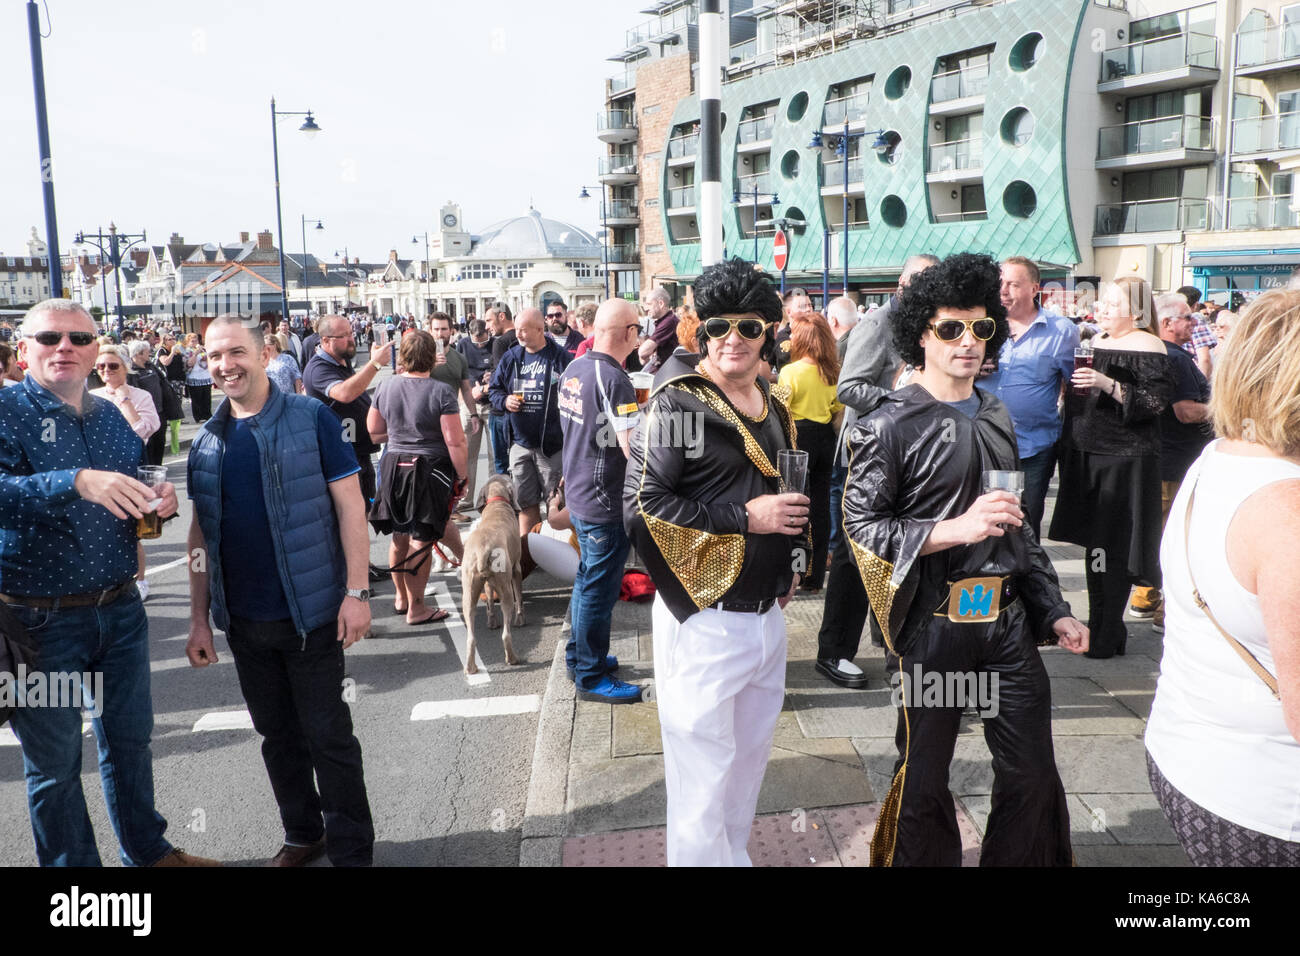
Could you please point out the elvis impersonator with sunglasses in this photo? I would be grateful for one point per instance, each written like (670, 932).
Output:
(703, 504)
(958, 583)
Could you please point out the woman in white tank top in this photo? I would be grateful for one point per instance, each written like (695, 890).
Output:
(1223, 751)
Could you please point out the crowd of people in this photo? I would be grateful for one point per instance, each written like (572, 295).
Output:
(666, 430)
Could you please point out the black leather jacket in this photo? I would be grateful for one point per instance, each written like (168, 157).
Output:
(694, 463)
(916, 461)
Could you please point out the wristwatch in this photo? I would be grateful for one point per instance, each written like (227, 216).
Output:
(378, 366)
(361, 594)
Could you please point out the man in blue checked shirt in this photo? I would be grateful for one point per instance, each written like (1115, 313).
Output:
(1034, 365)
(69, 502)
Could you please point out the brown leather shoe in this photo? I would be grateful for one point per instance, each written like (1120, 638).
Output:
(290, 855)
(177, 857)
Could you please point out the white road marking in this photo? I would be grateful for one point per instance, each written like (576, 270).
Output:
(224, 720)
(476, 707)
(456, 627)
(165, 567)
(9, 739)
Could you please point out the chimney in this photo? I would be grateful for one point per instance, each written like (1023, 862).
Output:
(356, 260)
(243, 238)
(264, 240)
(176, 240)
(392, 255)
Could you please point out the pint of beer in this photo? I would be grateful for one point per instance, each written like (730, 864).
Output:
(517, 389)
(643, 382)
(149, 525)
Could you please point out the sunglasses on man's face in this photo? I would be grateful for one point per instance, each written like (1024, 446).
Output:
(721, 328)
(555, 315)
(108, 366)
(51, 337)
(950, 330)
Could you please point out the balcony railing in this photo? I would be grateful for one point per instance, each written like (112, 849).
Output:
(668, 23)
(622, 254)
(958, 84)
(616, 119)
(833, 172)
(960, 154)
(964, 216)
(755, 130)
(622, 209)
(1153, 215)
(617, 164)
(741, 52)
(1259, 134)
(746, 185)
(1269, 45)
(1160, 54)
(851, 109)
(682, 146)
(622, 83)
(681, 197)
(1156, 135)
(1262, 212)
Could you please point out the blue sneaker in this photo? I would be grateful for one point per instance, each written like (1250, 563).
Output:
(611, 665)
(611, 690)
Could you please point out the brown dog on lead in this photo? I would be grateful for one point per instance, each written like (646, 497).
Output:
(490, 566)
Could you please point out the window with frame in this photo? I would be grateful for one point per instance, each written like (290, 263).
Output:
(516, 270)
(478, 271)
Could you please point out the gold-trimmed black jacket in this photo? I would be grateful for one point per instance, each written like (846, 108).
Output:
(695, 461)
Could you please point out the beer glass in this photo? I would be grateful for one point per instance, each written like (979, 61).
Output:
(149, 525)
(1012, 481)
(793, 468)
(1082, 359)
(517, 388)
(643, 382)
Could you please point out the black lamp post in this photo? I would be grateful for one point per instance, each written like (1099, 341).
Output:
(118, 243)
(881, 146)
(735, 198)
(604, 235)
(311, 129)
(415, 240)
(306, 273)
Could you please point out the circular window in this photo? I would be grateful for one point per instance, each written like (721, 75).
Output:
(898, 82)
(1019, 200)
(888, 147)
(798, 106)
(790, 164)
(1017, 126)
(795, 215)
(1027, 51)
(893, 211)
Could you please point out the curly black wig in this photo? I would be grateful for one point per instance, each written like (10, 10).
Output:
(733, 287)
(966, 280)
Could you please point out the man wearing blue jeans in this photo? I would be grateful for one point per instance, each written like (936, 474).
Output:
(598, 411)
(501, 325)
(1028, 374)
(69, 501)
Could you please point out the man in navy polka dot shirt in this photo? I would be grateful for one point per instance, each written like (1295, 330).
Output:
(69, 502)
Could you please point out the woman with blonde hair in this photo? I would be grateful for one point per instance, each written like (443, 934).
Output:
(808, 382)
(1109, 498)
(1223, 740)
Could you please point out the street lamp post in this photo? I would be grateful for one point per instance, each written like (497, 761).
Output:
(427, 292)
(114, 253)
(306, 273)
(881, 145)
(735, 199)
(604, 235)
(311, 129)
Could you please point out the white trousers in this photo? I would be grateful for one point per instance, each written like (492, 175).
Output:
(719, 684)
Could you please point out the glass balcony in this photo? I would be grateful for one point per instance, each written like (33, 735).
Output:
(1154, 136)
(618, 165)
(833, 172)
(622, 209)
(1153, 215)
(1262, 134)
(742, 52)
(1270, 45)
(616, 120)
(850, 109)
(1262, 212)
(1163, 53)
(622, 83)
(746, 185)
(961, 154)
(680, 147)
(681, 197)
(958, 84)
(755, 130)
(622, 254)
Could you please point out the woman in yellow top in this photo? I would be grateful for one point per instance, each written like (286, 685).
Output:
(808, 385)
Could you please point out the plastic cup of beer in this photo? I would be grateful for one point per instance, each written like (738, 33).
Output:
(1082, 359)
(643, 382)
(1012, 481)
(792, 465)
(517, 389)
(149, 525)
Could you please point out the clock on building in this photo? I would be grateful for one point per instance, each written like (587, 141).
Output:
(449, 220)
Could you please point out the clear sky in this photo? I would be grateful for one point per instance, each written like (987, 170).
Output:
(160, 115)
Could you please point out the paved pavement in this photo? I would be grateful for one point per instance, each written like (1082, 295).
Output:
(597, 793)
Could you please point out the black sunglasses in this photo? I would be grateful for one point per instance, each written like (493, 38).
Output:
(51, 337)
(721, 328)
(950, 330)
(555, 315)
(109, 366)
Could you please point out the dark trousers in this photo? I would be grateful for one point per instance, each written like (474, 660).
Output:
(293, 688)
(1108, 591)
(838, 476)
(818, 440)
(1029, 822)
(367, 475)
(156, 445)
(845, 610)
(1038, 470)
(200, 402)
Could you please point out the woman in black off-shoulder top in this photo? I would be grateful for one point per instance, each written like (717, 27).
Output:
(1109, 498)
